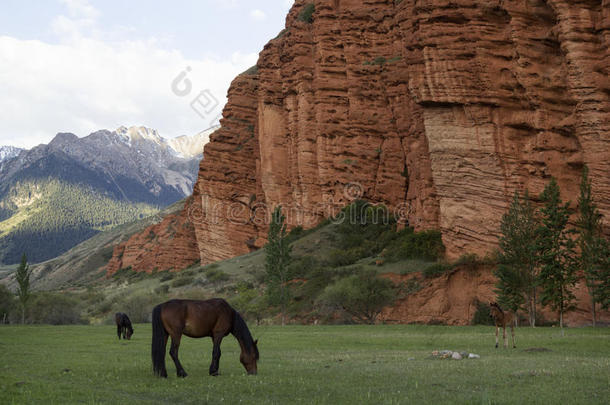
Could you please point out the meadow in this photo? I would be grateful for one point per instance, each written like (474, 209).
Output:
(385, 364)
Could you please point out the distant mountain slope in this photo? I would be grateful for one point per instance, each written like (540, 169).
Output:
(54, 196)
(86, 261)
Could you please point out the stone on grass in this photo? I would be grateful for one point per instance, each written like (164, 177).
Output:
(456, 356)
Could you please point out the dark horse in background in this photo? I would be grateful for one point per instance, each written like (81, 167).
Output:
(123, 326)
(502, 319)
(196, 319)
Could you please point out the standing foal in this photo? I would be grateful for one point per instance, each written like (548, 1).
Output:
(502, 319)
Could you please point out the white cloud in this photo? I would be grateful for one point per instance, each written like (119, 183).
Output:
(80, 9)
(91, 85)
(84, 83)
(258, 15)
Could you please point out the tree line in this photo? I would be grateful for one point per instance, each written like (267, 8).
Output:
(542, 257)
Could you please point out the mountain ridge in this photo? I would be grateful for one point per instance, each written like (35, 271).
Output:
(135, 170)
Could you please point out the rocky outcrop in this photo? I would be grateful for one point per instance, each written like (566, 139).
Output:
(438, 109)
(168, 245)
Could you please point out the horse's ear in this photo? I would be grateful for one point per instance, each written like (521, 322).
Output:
(256, 342)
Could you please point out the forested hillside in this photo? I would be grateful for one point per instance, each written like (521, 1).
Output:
(44, 217)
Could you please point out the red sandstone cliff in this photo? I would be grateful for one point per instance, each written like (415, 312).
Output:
(439, 109)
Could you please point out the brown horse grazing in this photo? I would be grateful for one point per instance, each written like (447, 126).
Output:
(502, 319)
(123, 326)
(196, 319)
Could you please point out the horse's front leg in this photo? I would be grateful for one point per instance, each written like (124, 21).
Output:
(512, 332)
(173, 352)
(215, 355)
(497, 331)
(118, 331)
(504, 336)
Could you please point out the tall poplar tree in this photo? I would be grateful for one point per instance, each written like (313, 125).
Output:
(556, 249)
(517, 269)
(592, 259)
(277, 259)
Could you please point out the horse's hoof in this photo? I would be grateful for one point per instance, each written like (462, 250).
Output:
(496, 345)
(182, 374)
(214, 374)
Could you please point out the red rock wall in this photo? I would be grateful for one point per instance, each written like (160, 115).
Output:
(451, 299)
(475, 99)
(439, 109)
(168, 245)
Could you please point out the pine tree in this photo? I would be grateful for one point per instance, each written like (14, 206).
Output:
(591, 244)
(23, 285)
(517, 272)
(277, 259)
(556, 249)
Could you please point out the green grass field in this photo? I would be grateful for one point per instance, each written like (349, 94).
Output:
(309, 365)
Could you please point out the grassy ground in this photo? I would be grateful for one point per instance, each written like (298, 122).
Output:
(310, 365)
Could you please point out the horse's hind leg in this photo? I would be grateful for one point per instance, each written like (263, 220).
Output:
(504, 336)
(173, 352)
(512, 332)
(215, 355)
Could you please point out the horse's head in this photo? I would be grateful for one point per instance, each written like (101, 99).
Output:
(495, 309)
(129, 333)
(249, 358)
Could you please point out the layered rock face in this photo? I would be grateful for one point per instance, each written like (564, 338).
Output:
(168, 245)
(438, 109)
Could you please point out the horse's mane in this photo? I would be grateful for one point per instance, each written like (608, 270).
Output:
(242, 333)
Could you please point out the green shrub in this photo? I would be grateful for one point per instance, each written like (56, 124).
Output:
(363, 225)
(362, 295)
(301, 265)
(482, 315)
(8, 304)
(54, 309)
(339, 257)
(251, 71)
(182, 281)
(436, 270)
(139, 307)
(167, 276)
(426, 245)
(215, 275)
(410, 287)
(306, 14)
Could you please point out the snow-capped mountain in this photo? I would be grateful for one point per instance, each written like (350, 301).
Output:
(191, 146)
(9, 152)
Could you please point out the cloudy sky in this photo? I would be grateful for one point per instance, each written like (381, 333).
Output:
(83, 65)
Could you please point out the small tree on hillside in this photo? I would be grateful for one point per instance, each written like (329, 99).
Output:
(517, 273)
(556, 248)
(602, 274)
(277, 259)
(23, 284)
(362, 295)
(593, 256)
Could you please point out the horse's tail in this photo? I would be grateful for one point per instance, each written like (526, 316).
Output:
(159, 342)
